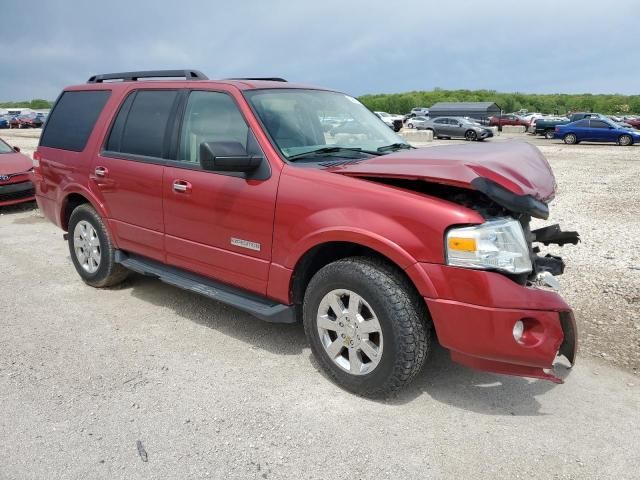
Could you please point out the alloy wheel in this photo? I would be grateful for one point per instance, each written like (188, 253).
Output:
(86, 245)
(349, 332)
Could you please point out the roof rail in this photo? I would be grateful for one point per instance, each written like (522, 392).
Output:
(268, 79)
(134, 76)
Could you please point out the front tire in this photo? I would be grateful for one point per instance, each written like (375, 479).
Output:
(470, 136)
(366, 326)
(625, 140)
(410, 125)
(570, 139)
(92, 250)
(548, 134)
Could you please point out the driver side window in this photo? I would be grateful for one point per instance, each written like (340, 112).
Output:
(210, 117)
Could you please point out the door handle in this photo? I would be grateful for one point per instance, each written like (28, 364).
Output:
(181, 186)
(101, 171)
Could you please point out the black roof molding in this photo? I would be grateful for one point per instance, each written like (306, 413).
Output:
(267, 79)
(134, 76)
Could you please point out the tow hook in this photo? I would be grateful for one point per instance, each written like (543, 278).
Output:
(546, 279)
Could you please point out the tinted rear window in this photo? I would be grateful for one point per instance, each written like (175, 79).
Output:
(73, 118)
(140, 126)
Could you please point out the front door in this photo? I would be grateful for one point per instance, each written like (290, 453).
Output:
(218, 224)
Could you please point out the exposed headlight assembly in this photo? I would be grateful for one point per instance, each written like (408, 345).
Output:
(494, 245)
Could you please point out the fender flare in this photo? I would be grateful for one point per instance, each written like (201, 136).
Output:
(71, 189)
(375, 242)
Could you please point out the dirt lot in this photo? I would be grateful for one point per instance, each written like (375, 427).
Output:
(213, 393)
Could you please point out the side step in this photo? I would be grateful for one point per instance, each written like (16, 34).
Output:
(260, 307)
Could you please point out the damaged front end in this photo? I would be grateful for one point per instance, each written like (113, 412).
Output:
(493, 302)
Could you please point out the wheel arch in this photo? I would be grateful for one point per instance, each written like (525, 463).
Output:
(71, 199)
(322, 254)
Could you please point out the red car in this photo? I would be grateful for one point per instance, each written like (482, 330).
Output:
(633, 121)
(231, 189)
(15, 176)
(26, 121)
(502, 120)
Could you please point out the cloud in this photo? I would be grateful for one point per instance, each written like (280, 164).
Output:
(355, 46)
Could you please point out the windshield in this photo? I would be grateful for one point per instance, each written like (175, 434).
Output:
(4, 148)
(301, 121)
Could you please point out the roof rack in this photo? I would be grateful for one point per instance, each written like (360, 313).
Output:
(134, 76)
(268, 79)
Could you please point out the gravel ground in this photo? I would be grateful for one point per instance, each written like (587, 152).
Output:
(209, 392)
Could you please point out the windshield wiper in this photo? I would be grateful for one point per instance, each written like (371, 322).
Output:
(320, 151)
(395, 146)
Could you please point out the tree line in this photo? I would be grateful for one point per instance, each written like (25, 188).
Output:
(38, 103)
(555, 103)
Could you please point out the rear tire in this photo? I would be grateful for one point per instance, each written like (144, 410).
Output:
(570, 139)
(370, 294)
(625, 140)
(410, 125)
(92, 250)
(548, 134)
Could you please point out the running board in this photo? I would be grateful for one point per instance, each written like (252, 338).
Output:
(258, 306)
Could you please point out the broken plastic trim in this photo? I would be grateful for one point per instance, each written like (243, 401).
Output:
(554, 235)
(515, 203)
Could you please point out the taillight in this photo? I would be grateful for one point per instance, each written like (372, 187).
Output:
(36, 158)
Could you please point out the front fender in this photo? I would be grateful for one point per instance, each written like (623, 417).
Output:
(357, 235)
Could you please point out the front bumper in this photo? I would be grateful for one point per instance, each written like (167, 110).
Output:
(474, 314)
(16, 192)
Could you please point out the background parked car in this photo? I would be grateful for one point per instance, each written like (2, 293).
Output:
(393, 121)
(510, 119)
(457, 127)
(634, 121)
(4, 122)
(600, 129)
(420, 111)
(417, 122)
(26, 121)
(15, 176)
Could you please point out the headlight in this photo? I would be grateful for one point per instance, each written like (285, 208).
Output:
(496, 244)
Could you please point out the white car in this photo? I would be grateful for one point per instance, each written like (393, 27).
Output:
(388, 118)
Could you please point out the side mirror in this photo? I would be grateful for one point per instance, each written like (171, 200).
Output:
(17, 149)
(227, 157)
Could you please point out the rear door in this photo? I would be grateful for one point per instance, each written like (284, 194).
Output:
(218, 224)
(441, 126)
(127, 174)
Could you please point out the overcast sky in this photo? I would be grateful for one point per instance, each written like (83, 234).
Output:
(354, 46)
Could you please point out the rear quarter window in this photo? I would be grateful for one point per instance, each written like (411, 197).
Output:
(72, 119)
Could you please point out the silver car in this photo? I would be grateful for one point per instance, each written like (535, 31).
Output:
(456, 127)
(416, 122)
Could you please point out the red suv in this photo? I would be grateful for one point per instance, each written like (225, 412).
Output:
(235, 190)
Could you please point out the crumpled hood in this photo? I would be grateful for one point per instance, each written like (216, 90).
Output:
(12, 163)
(516, 166)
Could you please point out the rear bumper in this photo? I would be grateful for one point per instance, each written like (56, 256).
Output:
(474, 315)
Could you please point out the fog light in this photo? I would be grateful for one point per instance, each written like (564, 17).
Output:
(518, 330)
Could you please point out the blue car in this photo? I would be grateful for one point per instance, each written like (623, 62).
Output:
(596, 130)
(4, 123)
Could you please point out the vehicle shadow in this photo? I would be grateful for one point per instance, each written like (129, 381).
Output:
(19, 208)
(442, 380)
(283, 339)
(490, 394)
